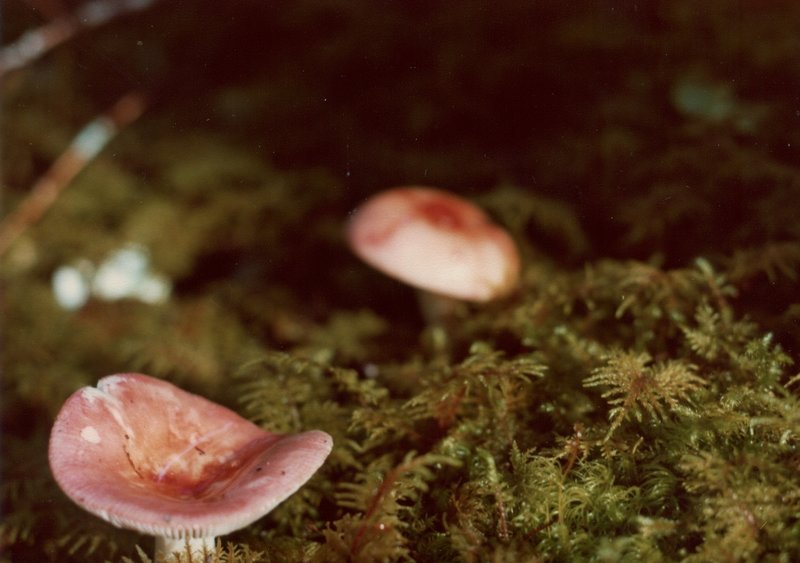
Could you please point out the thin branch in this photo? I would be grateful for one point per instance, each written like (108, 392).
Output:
(33, 44)
(84, 147)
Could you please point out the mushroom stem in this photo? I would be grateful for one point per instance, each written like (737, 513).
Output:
(438, 309)
(167, 546)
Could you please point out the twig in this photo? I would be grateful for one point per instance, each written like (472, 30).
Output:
(33, 44)
(84, 147)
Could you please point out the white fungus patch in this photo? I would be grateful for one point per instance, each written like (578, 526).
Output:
(89, 433)
(104, 392)
(71, 285)
(126, 274)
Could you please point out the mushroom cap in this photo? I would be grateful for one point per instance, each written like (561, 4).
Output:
(435, 241)
(145, 455)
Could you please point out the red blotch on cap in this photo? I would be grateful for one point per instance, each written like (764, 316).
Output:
(145, 455)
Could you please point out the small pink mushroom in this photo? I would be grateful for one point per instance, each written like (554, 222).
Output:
(145, 455)
(436, 242)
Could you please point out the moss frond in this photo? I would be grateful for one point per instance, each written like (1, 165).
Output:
(773, 260)
(140, 553)
(385, 497)
(275, 390)
(345, 338)
(746, 512)
(227, 552)
(636, 388)
(553, 501)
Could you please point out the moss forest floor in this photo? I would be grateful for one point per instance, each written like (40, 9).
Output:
(635, 399)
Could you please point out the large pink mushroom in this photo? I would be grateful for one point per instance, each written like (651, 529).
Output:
(436, 242)
(143, 454)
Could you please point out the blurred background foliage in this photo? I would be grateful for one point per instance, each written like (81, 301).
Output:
(636, 399)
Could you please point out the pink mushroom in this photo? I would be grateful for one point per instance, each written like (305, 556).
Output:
(435, 241)
(143, 454)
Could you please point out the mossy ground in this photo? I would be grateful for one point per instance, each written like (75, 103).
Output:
(635, 399)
